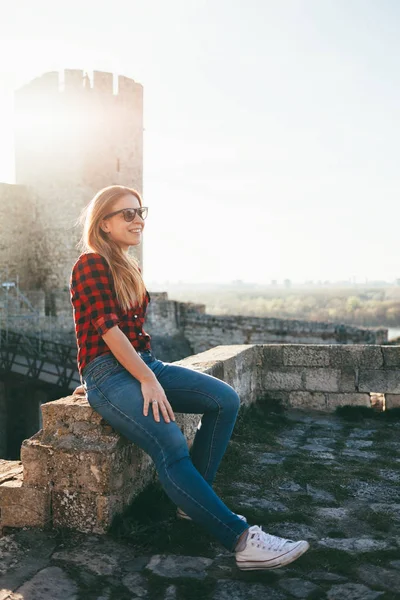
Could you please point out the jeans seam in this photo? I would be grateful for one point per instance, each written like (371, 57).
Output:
(133, 421)
(164, 461)
(198, 503)
(216, 421)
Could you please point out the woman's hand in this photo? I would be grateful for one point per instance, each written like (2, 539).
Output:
(152, 390)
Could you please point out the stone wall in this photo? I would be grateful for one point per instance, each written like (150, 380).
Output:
(167, 317)
(3, 420)
(325, 377)
(78, 472)
(172, 323)
(206, 331)
(16, 218)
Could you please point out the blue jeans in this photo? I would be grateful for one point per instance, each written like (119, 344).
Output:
(116, 395)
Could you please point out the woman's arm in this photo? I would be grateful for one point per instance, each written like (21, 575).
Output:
(91, 284)
(152, 390)
(125, 353)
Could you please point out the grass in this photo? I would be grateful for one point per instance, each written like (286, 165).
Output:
(259, 422)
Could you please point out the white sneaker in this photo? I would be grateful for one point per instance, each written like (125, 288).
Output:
(183, 515)
(265, 551)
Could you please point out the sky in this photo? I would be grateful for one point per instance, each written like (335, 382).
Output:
(272, 128)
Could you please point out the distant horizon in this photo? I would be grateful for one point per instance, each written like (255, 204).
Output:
(240, 283)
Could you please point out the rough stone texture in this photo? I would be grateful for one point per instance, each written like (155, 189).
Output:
(392, 401)
(356, 356)
(357, 545)
(352, 591)
(391, 356)
(242, 590)
(308, 400)
(179, 566)
(285, 379)
(329, 376)
(306, 356)
(298, 587)
(51, 583)
(379, 381)
(3, 420)
(386, 579)
(15, 208)
(334, 400)
(206, 331)
(321, 380)
(87, 472)
(21, 505)
(354, 541)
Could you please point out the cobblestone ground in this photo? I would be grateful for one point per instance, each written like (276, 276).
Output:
(332, 480)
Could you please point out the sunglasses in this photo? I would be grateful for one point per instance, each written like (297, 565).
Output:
(130, 213)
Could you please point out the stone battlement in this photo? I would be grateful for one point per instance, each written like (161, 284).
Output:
(77, 472)
(78, 81)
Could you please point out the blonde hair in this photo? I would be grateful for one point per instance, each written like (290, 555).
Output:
(128, 282)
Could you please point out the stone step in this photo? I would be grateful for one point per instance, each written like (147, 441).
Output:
(9, 469)
(21, 506)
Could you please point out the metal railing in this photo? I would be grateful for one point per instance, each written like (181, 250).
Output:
(33, 357)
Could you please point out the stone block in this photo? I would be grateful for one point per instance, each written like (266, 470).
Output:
(348, 379)
(103, 82)
(23, 506)
(392, 401)
(88, 512)
(391, 357)
(37, 462)
(308, 400)
(272, 355)
(384, 381)
(306, 355)
(284, 379)
(276, 397)
(334, 400)
(242, 374)
(59, 415)
(356, 355)
(97, 468)
(321, 380)
(10, 469)
(75, 510)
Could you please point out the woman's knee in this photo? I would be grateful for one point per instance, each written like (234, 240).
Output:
(229, 400)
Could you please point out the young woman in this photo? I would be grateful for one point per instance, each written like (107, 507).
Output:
(137, 394)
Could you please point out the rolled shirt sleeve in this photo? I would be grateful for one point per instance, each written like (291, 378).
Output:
(91, 283)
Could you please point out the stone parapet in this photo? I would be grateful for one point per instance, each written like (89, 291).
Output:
(78, 472)
(326, 376)
(204, 331)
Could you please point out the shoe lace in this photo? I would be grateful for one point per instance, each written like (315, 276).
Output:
(267, 541)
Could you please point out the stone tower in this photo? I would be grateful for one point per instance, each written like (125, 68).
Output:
(73, 137)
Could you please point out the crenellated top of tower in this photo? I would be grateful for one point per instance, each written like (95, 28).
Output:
(77, 81)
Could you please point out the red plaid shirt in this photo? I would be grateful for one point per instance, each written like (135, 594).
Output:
(96, 310)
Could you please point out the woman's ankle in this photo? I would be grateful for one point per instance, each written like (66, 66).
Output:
(241, 544)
